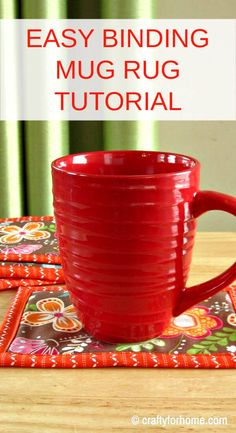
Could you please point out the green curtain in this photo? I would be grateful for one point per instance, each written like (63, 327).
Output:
(130, 134)
(44, 141)
(88, 135)
(11, 148)
(27, 148)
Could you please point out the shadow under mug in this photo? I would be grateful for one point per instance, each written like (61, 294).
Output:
(126, 223)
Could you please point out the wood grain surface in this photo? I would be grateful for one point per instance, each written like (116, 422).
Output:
(104, 400)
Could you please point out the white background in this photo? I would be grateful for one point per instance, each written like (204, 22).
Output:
(205, 89)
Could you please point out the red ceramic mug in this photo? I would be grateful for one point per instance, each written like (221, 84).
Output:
(126, 224)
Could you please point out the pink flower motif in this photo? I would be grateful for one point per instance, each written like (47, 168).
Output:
(35, 347)
(22, 249)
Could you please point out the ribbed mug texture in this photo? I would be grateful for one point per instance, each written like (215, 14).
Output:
(126, 244)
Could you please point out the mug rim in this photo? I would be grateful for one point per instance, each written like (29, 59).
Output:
(55, 165)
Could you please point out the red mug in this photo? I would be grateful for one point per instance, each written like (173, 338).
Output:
(126, 223)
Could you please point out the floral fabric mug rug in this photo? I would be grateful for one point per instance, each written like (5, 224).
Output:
(29, 253)
(41, 328)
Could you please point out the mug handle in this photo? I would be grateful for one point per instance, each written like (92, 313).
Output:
(206, 201)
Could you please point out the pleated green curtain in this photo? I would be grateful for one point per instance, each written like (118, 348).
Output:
(11, 148)
(44, 141)
(130, 134)
(87, 135)
(27, 148)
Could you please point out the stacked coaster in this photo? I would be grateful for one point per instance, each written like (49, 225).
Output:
(42, 329)
(29, 253)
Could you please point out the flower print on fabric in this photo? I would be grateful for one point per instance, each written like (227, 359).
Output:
(214, 342)
(52, 310)
(77, 345)
(49, 324)
(231, 349)
(195, 323)
(231, 319)
(35, 347)
(22, 249)
(31, 231)
(150, 345)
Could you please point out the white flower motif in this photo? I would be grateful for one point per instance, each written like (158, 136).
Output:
(76, 345)
(231, 349)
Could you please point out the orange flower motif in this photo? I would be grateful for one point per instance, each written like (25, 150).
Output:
(53, 310)
(30, 231)
(195, 323)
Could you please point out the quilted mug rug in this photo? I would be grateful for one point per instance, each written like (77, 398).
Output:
(42, 329)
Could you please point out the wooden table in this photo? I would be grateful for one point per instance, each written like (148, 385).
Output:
(103, 400)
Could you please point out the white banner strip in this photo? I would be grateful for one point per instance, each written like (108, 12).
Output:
(117, 69)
